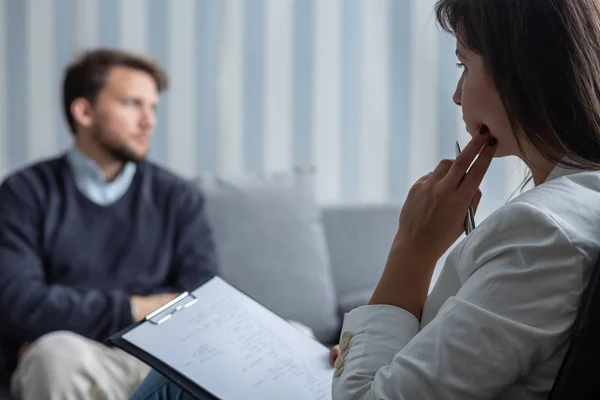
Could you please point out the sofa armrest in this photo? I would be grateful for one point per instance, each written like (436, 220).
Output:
(359, 239)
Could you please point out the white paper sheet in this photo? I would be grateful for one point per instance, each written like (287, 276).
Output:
(235, 348)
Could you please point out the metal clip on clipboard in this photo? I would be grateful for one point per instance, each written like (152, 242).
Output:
(160, 315)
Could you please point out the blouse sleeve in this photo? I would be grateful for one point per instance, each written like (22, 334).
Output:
(511, 314)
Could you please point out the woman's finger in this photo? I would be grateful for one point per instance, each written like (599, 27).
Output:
(442, 169)
(465, 159)
(473, 179)
(424, 178)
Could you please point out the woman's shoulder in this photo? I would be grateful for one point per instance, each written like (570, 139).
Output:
(559, 219)
(570, 203)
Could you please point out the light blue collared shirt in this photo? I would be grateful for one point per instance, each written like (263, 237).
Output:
(91, 183)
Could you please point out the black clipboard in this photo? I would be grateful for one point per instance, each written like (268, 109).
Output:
(179, 304)
(159, 316)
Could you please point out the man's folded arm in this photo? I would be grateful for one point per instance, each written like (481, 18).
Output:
(30, 307)
(195, 260)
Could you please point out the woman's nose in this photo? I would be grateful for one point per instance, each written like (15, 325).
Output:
(457, 97)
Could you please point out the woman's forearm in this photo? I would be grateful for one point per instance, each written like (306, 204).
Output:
(405, 280)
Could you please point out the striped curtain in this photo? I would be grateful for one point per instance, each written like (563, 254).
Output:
(359, 89)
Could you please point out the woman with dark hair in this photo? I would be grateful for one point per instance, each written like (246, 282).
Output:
(496, 325)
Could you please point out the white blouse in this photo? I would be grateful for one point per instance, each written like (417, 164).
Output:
(496, 324)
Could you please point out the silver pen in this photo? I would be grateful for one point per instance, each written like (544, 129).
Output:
(470, 218)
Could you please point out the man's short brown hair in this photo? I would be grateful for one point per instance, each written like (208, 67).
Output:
(86, 76)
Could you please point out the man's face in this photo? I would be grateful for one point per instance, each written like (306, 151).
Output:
(123, 116)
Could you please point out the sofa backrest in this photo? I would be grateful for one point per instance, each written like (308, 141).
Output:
(306, 262)
(271, 244)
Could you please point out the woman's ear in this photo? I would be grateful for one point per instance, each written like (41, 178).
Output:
(82, 112)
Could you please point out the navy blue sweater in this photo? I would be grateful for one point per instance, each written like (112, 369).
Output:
(67, 263)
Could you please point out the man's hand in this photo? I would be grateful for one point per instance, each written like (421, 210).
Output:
(144, 305)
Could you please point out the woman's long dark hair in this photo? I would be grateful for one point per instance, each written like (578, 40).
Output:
(543, 57)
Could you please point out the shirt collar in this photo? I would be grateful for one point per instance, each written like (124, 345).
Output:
(90, 180)
(562, 170)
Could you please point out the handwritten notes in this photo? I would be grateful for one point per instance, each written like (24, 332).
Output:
(235, 348)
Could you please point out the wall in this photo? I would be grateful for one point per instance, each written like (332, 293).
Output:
(360, 89)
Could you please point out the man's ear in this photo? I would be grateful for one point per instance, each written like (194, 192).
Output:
(82, 111)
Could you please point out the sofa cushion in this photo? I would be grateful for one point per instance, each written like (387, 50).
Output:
(271, 244)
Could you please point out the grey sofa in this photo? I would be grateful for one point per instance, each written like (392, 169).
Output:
(358, 239)
(306, 262)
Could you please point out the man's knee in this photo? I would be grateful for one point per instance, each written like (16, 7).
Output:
(64, 365)
(57, 345)
(49, 363)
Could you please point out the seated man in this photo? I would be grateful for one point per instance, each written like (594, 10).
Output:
(93, 240)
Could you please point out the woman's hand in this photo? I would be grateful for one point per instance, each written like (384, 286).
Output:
(22, 349)
(334, 353)
(433, 214)
(431, 220)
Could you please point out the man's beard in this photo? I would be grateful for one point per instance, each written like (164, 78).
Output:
(118, 152)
